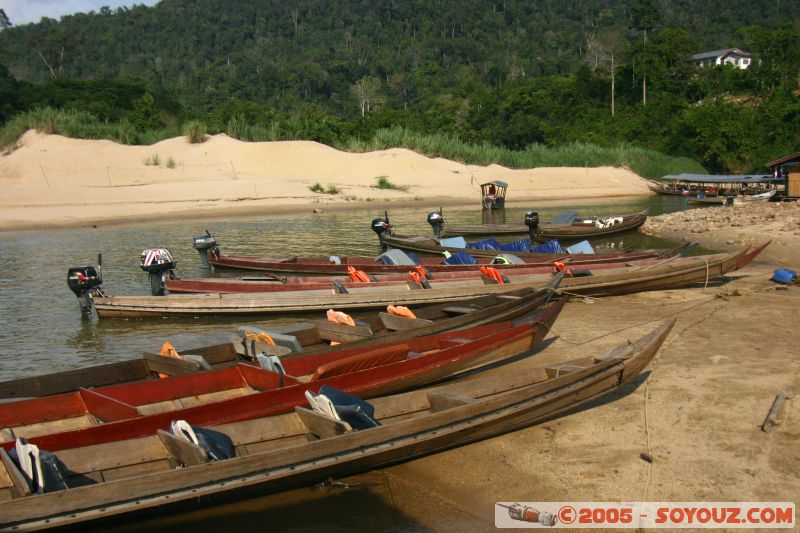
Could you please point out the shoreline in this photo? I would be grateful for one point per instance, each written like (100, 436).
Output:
(265, 208)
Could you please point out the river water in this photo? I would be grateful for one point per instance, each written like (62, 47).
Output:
(41, 329)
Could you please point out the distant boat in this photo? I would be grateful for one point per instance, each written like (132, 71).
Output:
(732, 200)
(569, 227)
(493, 194)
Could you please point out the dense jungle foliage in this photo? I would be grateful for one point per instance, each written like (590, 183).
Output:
(508, 76)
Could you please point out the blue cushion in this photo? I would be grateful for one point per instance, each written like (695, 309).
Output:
(460, 258)
(552, 247)
(352, 409)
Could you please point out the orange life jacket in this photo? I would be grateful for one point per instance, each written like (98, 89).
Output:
(558, 266)
(492, 273)
(337, 317)
(399, 310)
(168, 350)
(359, 276)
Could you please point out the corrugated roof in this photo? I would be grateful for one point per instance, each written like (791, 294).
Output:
(718, 53)
(785, 159)
(724, 178)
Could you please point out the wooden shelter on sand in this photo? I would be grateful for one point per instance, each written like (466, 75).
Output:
(787, 168)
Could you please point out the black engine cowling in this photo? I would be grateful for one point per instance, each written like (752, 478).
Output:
(205, 244)
(532, 221)
(159, 264)
(381, 226)
(82, 281)
(436, 220)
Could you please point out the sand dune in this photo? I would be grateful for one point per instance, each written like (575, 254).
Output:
(52, 180)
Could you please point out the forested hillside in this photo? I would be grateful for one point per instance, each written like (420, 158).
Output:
(510, 73)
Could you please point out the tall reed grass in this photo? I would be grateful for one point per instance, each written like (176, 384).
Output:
(643, 161)
(83, 125)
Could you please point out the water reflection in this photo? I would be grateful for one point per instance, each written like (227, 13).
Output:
(40, 325)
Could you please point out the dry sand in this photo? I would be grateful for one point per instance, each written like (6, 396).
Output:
(50, 180)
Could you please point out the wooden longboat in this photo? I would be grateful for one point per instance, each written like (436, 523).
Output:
(431, 245)
(324, 266)
(581, 228)
(157, 471)
(667, 274)
(733, 200)
(312, 337)
(117, 412)
(246, 284)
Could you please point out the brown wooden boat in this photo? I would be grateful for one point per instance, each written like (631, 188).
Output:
(578, 229)
(246, 284)
(301, 338)
(324, 266)
(669, 273)
(432, 245)
(161, 469)
(243, 392)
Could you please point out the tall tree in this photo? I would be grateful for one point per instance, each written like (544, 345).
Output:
(644, 16)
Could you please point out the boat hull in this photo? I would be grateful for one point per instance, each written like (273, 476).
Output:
(548, 232)
(518, 401)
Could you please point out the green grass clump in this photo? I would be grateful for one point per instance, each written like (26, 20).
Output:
(170, 162)
(317, 187)
(195, 131)
(384, 183)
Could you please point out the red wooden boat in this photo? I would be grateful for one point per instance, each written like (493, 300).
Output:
(324, 266)
(162, 471)
(243, 392)
(232, 285)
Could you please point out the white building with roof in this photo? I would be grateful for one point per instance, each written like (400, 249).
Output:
(726, 56)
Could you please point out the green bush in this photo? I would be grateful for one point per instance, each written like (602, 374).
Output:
(317, 187)
(195, 131)
(384, 183)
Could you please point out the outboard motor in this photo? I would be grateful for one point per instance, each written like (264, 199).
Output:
(381, 226)
(532, 221)
(158, 264)
(436, 220)
(83, 281)
(205, 244)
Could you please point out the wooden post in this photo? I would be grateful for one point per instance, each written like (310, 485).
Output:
(771, 421)
(108, 175)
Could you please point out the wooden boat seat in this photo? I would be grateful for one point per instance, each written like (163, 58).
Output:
(457, 310)
(105, 462)
(401, 323)
(362, 361)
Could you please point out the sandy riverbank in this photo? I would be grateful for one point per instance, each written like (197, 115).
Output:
(696, 411)
(52, 180)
